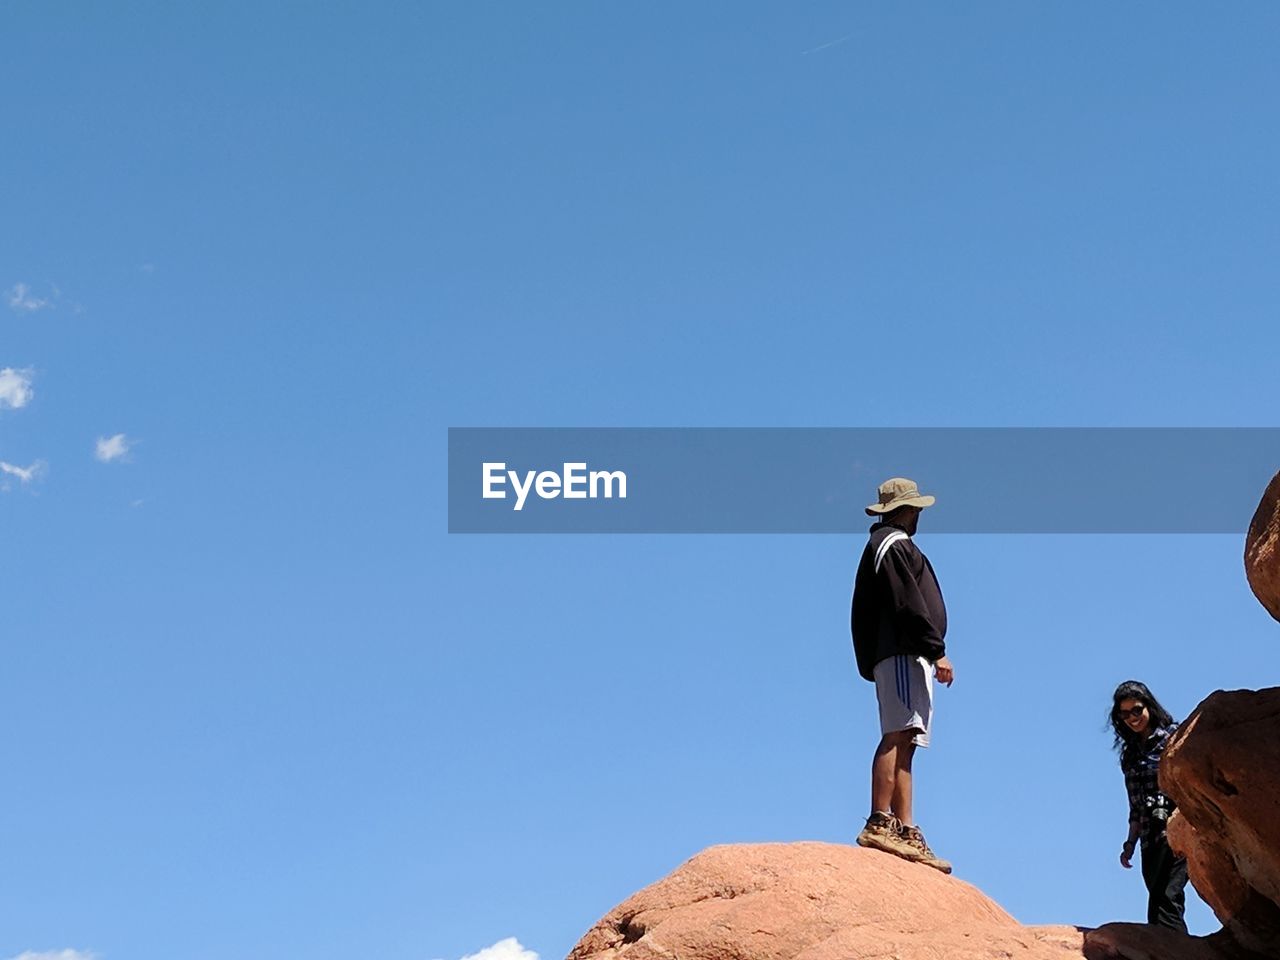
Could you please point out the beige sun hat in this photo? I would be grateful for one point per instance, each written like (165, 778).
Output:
(899, 492)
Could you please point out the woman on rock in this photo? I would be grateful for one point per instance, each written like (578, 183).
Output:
(1142, 728)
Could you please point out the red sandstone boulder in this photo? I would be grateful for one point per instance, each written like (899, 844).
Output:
(1262, 549)
(1223, 770)
(814, 901)
(1140, 941)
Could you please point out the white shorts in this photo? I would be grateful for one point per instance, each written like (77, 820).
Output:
(904, 689)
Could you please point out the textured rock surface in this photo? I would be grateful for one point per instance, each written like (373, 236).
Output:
(1262, 549)
(814, 901)
(1137, 941)
(1223, 770)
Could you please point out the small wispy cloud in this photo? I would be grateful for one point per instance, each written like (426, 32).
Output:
(15, 388)
(20, 298)
(508, 949)
(112, 448)
(24, 474)
(56, 955)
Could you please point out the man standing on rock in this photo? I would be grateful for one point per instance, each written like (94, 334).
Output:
(899, 623)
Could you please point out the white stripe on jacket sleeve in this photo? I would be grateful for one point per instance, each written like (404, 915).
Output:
(885, 544)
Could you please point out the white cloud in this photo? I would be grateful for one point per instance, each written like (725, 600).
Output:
(112, 448)
(508, 949)
(24, 474)
(56, 955)
(15, 388)
(21, 298)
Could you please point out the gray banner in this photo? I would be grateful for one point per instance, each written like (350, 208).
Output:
(802, 480)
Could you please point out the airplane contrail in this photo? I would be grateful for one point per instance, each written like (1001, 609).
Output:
(824, 46)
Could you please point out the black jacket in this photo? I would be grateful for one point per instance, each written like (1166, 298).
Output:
(897, 604)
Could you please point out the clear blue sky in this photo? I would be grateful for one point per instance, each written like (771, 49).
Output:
(257, 703)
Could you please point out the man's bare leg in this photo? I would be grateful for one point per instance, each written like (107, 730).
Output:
(918, 850)
(902, 780)
(885, 771)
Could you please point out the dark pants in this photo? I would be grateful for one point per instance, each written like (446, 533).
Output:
(1165, 874)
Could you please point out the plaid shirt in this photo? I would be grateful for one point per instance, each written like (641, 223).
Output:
(1141, 766)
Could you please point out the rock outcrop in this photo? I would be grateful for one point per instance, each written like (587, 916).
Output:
(1223, 771)
(1140, 941)
(815, 901)
(1262, 549)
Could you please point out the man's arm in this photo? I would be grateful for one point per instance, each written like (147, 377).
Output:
(911, 615)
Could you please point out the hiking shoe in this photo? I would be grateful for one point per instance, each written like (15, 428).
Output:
(919, 850)
(883, 832)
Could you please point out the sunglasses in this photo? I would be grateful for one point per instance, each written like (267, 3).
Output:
(1134, 712)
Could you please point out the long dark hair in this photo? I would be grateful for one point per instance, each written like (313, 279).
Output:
(1133, 690)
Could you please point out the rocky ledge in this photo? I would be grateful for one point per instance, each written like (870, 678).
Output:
(814, 901)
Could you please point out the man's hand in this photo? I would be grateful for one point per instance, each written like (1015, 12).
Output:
(944, 671)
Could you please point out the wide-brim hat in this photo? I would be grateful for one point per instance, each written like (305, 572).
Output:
(899, 492)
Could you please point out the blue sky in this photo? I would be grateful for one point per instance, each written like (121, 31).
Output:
(258, 702)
